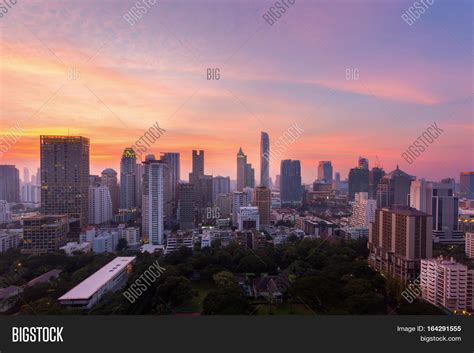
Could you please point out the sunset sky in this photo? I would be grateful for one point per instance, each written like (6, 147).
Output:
(271, 77)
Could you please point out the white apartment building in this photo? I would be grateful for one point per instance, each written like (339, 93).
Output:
(248, 218)
(152, 200)
(74, 246)
(239, 199)
(363, 211)
(469, 239)
(9, 239)
(446, 283)
(105, 242)
(100, 205)
(131, 235)
(5, 214)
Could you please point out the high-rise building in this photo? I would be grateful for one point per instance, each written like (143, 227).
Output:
(198, 166)
(9, 183)
(224, 205)
(30, 193)
(375, 176)
(171, 179)
(466, 185)
(394, 189)
(248, 218)
(336, 183)
(26, 175)
(5, 214)
(153, 200)
(291, 190)
(469, 244)
(65, 177)
(399, 238)
(325, 172)
(438, 200)
(363, 163)
(262, 199)
(245, 172)
(239, 199)
(172, 159)
(128, 179)
(43, 234)
(264, 160)
(186, 205)
(277, 182)
(220, 186)
(100, 204)
(109, 179)
(363, 211)
(358, 181)
(447, 284)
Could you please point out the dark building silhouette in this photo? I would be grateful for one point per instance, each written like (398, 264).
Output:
(394, 189)
(358, 181)
(65, 177)
(9, 183)
(128, 180)
(290, 182)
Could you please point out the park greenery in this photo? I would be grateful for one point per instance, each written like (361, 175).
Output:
(326, 277)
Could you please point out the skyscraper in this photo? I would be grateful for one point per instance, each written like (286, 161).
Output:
(325, 172)
(153, 200)
(65, 177)
(239, 199)
(438, 200)
(26, 175)
(109, 179)
(100, 204)
(290, 182)
(128, 179)
(245, 172)
(398, 239)
(172, 159)
(394, 189)
(466, 184)
(358, 181)
(186, 205)
(262, 199)
(363, 163)
(220, 186)
(375, 176)
(198, 166)
(171, 180)
(9, 183)
(264, 160)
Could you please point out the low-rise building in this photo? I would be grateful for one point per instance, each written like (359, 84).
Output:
(9, 239)
(446, 283)
(176, 241)
(43, 234)
(73, 246)
(109, 278)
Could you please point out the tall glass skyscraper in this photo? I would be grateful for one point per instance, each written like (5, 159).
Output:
(264, 160)
(128, 180)
(290, 182)
(65, 176)
(325, 172)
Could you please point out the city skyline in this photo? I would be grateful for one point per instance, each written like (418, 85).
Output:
(72, 77)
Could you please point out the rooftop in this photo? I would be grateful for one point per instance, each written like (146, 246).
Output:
(92, 284)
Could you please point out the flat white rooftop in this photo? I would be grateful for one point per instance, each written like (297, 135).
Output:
(94, 282)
